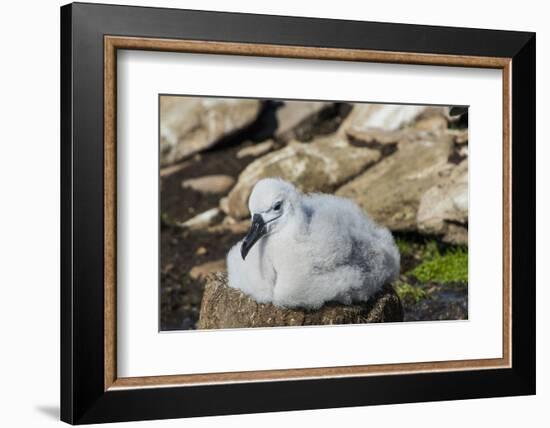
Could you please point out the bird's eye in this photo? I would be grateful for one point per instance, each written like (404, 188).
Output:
(277, 206)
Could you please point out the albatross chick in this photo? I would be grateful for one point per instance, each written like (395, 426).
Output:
(303, 250)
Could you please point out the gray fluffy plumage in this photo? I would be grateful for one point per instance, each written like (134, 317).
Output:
(315, 248)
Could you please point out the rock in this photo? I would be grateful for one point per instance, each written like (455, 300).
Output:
(429, 121)
(387, 117)
(460, 136)
(172, 169)
(375, 138)
(256, 149)
(202, 271)
(203, 220)
(201, 251)
(390, 191)
(435, 124)
(444, 302)
(225, 307)
(230, 225)
(463, 151)
(321, 166)
(224, 204)
(443, 209)
(456, 234)
(217, 184)
(189, 125)
(293, 114)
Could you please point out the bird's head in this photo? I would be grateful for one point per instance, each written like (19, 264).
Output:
(271, 203)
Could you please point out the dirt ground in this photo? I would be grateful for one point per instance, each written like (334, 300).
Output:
(180, 294)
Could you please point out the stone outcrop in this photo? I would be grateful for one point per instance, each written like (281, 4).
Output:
(391, 190)
(293, 115)
(319, 166)
(190, 125)
(225, 307)
(387, 117)
(214, 184)
(443, 209)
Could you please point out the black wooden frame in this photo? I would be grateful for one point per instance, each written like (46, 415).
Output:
(83, 399)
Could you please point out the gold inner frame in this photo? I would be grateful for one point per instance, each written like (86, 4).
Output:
(112, 43)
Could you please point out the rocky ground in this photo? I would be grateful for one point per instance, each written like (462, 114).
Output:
(406, 166)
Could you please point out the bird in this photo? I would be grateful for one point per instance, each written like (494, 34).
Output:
(306, 249)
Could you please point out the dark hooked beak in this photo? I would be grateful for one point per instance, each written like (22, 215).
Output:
(256, 231)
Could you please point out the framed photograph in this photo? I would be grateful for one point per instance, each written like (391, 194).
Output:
(266, 213)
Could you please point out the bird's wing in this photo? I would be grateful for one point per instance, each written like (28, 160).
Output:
(342, 237)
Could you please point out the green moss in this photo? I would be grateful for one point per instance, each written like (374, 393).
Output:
(430, 251)
(443, 268)
(404, 247)
(409, 293)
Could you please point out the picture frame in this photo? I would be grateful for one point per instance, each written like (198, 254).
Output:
(91, 35)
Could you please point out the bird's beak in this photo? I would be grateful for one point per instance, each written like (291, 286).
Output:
(256, 231)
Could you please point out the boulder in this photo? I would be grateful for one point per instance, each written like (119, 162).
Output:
(387, 117)
(189, 125)
(225, 307)
(203, 220)
(432, 123)
(463, 151)
(232, 226)
(173, 169)
(375, 138)
(202, 271)
(320, 166)
(443, 209)
(224, 204)
(216, 183)
(456, 234)
(460, 136)
(294, 114)
(391, 190)
(255, 150)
